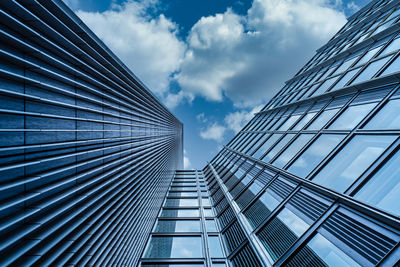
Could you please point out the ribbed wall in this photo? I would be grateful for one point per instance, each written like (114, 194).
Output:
(86, 151)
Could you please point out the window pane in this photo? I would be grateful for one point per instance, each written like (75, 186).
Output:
(180, 213)
(393, 67)
(289, 123)
(370, 70)
(278, 147)
(353, 160)
(314, 154)
(208, 213)
(322, 119)
(267, 145)
(292, 150)
(351, 117)
(387, 118)
(345, 79)
(329, 253)
(304, 121)
(205, 202)
(178, 226)
(211, 226)
(281, 232)
(182, 194)
(181, 202)
(214, 246)
(174, 247)
(383, 188)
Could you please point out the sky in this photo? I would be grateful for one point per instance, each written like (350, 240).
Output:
(214, 63)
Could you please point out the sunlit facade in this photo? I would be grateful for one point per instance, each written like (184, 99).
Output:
(313, 179)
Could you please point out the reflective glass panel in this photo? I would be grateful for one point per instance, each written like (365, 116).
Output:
(387, 118)
(345, 79)
(328, 253)
(353, 160)
(214, 246)
(174, 247)
(211, 226)
(180, 213)
(208, 213)
(181, 202)
(178, 226)
(304, 121)
(205, 202)
(292, 150)
(393, 67)
(267, 145)
(368, 56)
(351, 117)
(278, 147)
(383, 188)
(370, 70)
(289, 122)
(322, 119)
(314, 154)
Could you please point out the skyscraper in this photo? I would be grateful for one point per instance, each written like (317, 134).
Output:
(91, 161)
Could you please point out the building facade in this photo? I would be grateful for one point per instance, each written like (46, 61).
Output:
(313, 178)
(86, 151)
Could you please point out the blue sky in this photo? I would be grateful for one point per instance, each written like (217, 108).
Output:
(214, 62)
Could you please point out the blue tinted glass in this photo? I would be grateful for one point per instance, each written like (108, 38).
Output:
(293, 222)
(345, 79)
(383, 188)
(314, 154)
(211, 226)
(353, 160)
(289, 122)
(174, 247)
(181, 202)
(387, 118)
(370, 70)
(214, 246)
(180, 213)
(292, 150)
(178, 226)
(368, 56)
(277, 147)
(322, 119)
(351, 117)
(304, 121)
(329, 253)
(267, 145)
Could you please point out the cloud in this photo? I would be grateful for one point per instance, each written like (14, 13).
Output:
(214, 132)
(148, 45)
(247, 58)
(353, 7)
(201, 117)
(235, 121)
(186, 162)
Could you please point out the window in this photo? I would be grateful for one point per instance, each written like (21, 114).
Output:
(178, 226)
(214, 246)
(370, 70)
(211, 226)
(328, 253)
(351, 117)
(180, 213)
(182, 194)
(206, 201)
(383, 188)
(368, 56)
(292, 150)
(314, 154)
(322, 119)
(208, 213)
(353, 160)
(267, 145)
(174, 247)
(289, 123)
(304, 121)
(387, 118)
(278, 147)
(181, 202)
(394, 45)
(345, 79)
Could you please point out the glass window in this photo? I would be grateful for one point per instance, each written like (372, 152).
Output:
(289, 123)
(387, 118)
(205, 202)
(314, 154)
(304, 121)
(281, 232)
(353, 160)
(178, 226)
(322, 119)
(214, 246)
(322, 89)
(181, 202)
(345, 79)
(182, 194)
(208, 213)
(278, 147)
(383, 188)
(368, 56)
(292, 150)
(370, 70)
(174, 247)
(328, 253)
(393, 67)
(394, 45)
(351, 117)
(211, 226)
(267, 145)
(180, 213)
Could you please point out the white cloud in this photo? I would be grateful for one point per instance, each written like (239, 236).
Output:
(148, 46)
(201, 117)
(186, 162)
(353, 6)
(235, 121)
(247, 58)
(214, 132)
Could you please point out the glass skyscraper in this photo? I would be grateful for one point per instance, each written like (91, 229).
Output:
(91, 162)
